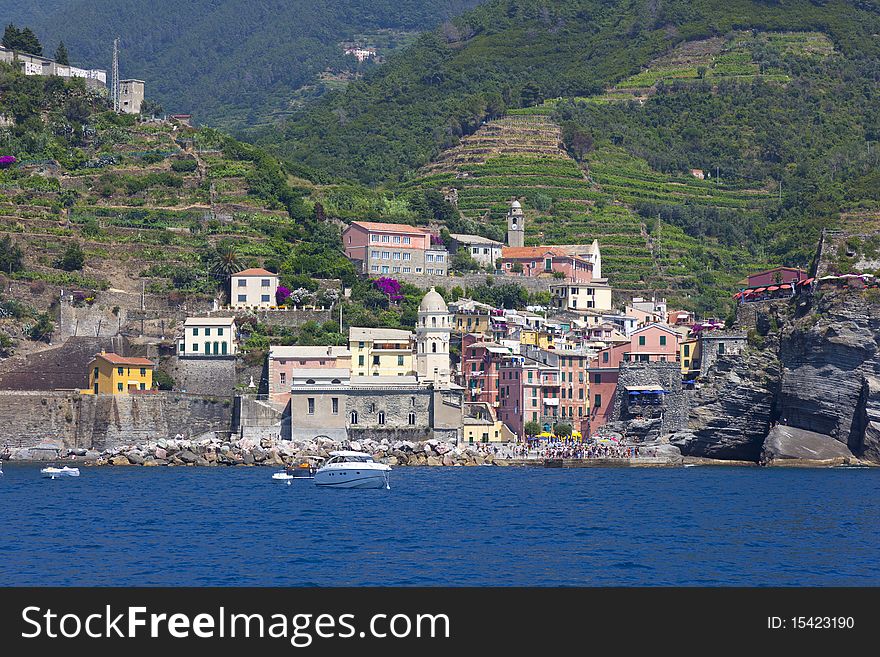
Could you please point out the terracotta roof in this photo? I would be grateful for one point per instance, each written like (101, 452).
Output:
(255, 271)
(116, 359)
(530, 251)
(396, 228)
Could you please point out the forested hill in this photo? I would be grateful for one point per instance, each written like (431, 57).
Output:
(779, 98)
(231, 63)
(513, 53)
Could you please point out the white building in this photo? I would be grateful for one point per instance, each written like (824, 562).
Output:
(131, 96)
(485, 251)
(36, 65)
(433, 330)
(208, 336)
(594, 295)
(253, 288)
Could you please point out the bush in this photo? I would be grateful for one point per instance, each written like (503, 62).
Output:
(72, 259)
(163, 380)
(185, 165)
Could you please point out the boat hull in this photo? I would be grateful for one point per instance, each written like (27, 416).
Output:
(352, 479)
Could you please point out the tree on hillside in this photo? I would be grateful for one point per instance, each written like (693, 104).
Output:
(22, 40)
(11, 258)
(225, 262)
(72, 259)
(61, 56)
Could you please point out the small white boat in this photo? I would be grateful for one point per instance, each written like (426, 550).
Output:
(304, 470)
(52, 472)
(352, 470)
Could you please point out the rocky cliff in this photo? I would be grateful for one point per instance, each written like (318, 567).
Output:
(812, 370)
(830, 358)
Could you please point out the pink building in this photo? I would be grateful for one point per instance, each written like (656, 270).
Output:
(652, 343)
(573, 388)
(284, 361)
(480, 368)
(529, 393)
(385, 249)
(534, 261)
(775, 276)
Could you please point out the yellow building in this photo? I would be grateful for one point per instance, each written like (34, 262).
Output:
(689, 357)
(540, 339)
(472, 317)
(380, 352)
(480, 425)
(112, 374)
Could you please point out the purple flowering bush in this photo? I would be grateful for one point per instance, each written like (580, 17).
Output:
(281, 295)
(390, 287)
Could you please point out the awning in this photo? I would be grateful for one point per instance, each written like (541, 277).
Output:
(737, 295)
(635, 390)
(760, 289)
(773, 288)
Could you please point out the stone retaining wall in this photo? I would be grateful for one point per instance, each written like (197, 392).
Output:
(71, 420)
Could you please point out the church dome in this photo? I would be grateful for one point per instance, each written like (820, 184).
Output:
(515, 206)
(432, 302)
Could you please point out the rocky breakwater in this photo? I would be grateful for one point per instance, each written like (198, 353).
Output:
(218, 451)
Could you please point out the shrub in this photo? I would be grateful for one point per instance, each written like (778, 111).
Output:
(72, 259)
(163, 380)
(185, 165)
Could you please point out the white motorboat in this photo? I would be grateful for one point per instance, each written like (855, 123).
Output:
(282, 476)
(352, 470)
(53, 473)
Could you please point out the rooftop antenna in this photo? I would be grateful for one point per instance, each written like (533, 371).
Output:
(114, 89)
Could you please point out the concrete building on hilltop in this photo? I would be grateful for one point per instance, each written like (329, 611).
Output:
(36, 65)
(131, 96)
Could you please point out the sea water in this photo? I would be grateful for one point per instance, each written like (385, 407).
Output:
(515, 526)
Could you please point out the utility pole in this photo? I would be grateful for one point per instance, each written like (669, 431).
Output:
(114, 88)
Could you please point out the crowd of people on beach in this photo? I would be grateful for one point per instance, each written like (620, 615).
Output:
(565, 450)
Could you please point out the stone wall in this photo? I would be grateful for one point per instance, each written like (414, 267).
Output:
(472, 280)
(102, 421)
(214, 375)
(672, 413)
(734, 342)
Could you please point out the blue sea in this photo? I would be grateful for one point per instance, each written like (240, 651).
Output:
(699, 526)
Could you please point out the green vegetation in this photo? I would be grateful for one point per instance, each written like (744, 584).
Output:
(230, 68)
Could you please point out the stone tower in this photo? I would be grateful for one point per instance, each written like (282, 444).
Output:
(516, 227)
(433, 330)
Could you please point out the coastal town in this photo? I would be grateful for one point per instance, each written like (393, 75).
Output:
(422, 343)
(585, 376)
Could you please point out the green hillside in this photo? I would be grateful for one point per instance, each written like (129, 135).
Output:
(231, 64)
(777, 104)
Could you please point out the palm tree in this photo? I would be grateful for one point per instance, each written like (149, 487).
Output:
(225, 262)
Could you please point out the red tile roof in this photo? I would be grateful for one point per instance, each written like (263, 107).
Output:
(116, 359)
(394, 228)
(530, 251)
(255, 271)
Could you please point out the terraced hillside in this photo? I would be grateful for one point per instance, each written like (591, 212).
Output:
(150, 204)
(521, 157)
(737, 56)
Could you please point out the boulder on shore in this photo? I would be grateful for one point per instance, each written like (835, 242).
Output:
(785, 442)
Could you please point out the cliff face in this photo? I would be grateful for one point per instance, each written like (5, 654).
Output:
(814, 369)
(731, 412)
(831, 372)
